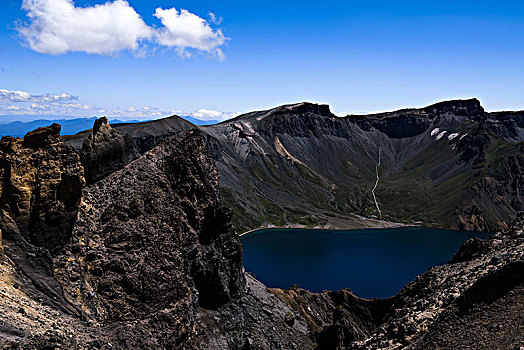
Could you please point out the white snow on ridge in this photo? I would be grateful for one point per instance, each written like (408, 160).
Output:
(463, 136)
(434, 131)
(452, 136)
(441, 135)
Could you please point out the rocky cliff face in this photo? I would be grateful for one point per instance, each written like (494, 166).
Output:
(446, 165)
(41, 183)
(300, 165)
(151, 260)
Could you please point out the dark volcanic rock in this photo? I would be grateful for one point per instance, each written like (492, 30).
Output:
(450, 164)
(338, 318)
(153, 261)
(105, 151)
(152, 244)
(157, 231)
(471, 107)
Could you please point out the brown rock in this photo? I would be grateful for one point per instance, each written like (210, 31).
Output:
(41, 182)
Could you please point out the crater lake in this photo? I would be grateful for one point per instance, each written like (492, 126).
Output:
(373, 263)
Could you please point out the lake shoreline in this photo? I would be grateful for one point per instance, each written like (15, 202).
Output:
(380, 224)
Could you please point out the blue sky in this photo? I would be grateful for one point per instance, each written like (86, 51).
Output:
(357, 56)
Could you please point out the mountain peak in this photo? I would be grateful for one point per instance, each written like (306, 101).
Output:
(308, 107)
(460, 107)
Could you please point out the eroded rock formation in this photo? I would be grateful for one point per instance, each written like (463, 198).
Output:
(41, 183)
(105, 151)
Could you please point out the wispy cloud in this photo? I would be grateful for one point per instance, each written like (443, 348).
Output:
(209, 114)
(14, 102)
(58, 27)
(23, 96)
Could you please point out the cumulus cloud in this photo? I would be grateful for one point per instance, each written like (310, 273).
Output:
(58, 26)
(23, 96)
(14, 96)
(183, 29)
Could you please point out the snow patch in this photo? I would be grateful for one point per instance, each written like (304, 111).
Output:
(452, 136)
(441, 135)
(463, 136)
(434, 131)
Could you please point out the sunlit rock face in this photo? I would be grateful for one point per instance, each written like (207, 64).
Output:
(41, 183)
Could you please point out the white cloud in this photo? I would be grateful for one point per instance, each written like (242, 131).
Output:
(23, 103)
(58, 26)
(23, 96)
(36, 106)
(183, 29)
(209, 114)
(14, 96)
(60, 97)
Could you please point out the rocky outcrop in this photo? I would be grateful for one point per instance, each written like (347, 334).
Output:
(105, 151)
(338, 318)
(152, 262)
(41, 183)
(447, 165)
(470, 107)
(151, 233)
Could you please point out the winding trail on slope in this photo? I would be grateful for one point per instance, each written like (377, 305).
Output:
(376, 184)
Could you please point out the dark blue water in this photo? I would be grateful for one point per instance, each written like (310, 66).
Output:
(373, 263)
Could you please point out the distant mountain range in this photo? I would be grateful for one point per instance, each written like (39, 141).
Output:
(199, 121)
(70, 125)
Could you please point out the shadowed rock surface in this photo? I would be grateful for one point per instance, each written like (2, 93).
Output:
(41, 183)
(447, 165)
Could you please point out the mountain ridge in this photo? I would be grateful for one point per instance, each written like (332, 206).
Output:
(301, 165)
